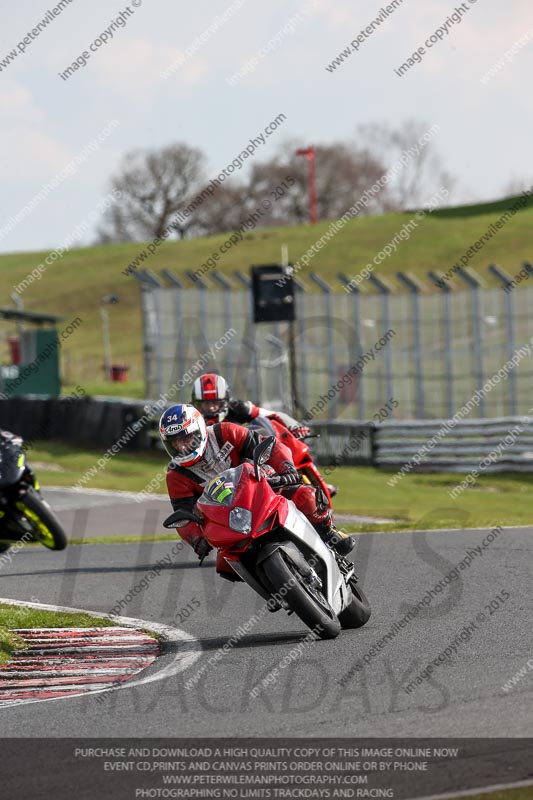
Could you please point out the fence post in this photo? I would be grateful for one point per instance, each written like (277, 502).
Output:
(387, 360)
(158, 328)
(414, 288)
(246, 281)
(180, 367)
(326, 289)
(301, 377)
(223, 282)
(202, 342)
(510, 333)
(475, 287)
(448, 360)
(356, 296)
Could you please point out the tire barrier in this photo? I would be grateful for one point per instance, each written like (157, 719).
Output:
(90, 422)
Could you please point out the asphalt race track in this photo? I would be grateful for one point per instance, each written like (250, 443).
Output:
(100, 513)
(462, 697)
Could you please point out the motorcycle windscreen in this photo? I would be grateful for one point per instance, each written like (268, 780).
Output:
(220, 491)
(215, 504)
(235, 487)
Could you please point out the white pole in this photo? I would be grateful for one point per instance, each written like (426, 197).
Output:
(106, 340)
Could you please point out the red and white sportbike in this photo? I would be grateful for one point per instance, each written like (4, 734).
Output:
(301, 454)
(274, 548)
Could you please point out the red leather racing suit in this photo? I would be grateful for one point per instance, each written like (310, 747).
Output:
(228, 445)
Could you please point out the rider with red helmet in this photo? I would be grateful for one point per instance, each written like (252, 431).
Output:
(199, 453)
(211, 396)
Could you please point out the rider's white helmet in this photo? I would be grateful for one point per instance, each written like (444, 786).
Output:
(184, 434)
(210, 395)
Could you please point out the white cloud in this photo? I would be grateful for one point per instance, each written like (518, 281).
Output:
(17, 100)
(133, 68)
(29, 150)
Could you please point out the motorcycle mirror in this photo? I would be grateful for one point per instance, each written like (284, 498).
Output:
(262, 453)
(181, 518)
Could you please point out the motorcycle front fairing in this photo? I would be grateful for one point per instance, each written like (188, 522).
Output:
(300, 531)
(235, 505)
(12, 465)
(237, 489)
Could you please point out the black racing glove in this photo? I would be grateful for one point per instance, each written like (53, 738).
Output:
(241, 410)
(300, 431)
(288, 477)
(202, 548)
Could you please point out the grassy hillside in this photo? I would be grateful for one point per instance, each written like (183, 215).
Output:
(74, 285)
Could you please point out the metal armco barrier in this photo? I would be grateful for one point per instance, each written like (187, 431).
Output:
(343, 443)
(506, 444)
(98, 423)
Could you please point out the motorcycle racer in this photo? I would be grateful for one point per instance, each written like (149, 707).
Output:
(15, 439)
(211, 396)
(199, 453)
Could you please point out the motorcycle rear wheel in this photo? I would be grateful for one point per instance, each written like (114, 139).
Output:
(307, 603)
(358, 612)
(46, 528)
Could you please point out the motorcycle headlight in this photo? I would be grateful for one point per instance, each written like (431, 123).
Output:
(240, 519)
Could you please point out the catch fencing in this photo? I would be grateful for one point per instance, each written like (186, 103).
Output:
(444, 346)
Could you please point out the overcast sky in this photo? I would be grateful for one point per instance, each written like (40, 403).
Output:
(485, 128)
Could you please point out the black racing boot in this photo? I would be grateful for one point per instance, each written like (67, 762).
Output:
(341, 542)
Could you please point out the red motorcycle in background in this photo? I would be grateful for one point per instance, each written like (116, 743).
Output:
(274, 548)
(301, 454)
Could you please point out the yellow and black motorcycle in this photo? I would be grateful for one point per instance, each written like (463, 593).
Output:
(24, 515)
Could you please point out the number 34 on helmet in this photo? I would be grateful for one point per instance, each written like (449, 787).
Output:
(184, 434)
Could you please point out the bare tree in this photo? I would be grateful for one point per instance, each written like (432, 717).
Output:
(516, 186)
(421, 176)
(154, 186)
(342, 175)
(226, 209)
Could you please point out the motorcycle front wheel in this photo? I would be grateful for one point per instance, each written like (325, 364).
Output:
(357, 613)
(307, 602)
(45, 527)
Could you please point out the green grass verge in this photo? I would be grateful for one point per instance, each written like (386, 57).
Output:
(525, 793)
(24, 617)
(9, 644)
(417, 500)
(74, 285)
(422, 500)
(124, 472)
(132, 390)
